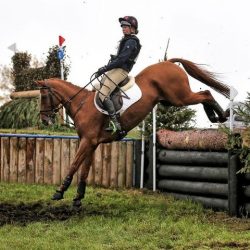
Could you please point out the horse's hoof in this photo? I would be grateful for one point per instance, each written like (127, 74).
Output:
(77, 203)
(223, 119)
(227, 112)
(58, 195)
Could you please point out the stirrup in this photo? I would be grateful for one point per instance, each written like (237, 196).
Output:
(112, 127)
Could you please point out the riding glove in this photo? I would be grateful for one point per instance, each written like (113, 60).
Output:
(100, 71)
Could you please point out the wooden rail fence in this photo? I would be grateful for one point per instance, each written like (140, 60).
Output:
(46, 159)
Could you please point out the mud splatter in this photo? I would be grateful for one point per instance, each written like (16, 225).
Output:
(22, 214)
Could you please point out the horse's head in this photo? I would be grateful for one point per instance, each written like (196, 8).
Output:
(50, 101)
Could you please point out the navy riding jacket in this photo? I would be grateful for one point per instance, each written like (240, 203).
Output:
(127, 53)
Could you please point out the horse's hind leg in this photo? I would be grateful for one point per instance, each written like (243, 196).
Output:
(210, 106)
(214, 108)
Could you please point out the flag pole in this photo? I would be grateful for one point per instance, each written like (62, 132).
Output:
(61, 66)
(61, 56)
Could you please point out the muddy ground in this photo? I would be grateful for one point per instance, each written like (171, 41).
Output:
(23, 214)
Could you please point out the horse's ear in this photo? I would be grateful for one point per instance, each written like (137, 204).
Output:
(39, 83)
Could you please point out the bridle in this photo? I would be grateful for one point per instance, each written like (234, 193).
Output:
(53, 108)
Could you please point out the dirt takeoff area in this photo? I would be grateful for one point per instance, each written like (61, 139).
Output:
(23, 214)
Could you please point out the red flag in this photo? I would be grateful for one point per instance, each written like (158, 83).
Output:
(61, 40)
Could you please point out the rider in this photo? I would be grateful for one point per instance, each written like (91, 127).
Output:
(119, 66)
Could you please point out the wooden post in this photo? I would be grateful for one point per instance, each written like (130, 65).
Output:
(57, 161)
(48, 161)
(106, 164)
(98, 165)
(64, 158)
(30, 159)
(129, 164)
(39, 178)
(114, 164)
(91, 176)
(5, 161)
(72, 153)
(22, 160)
(13, 159)
(122, 165)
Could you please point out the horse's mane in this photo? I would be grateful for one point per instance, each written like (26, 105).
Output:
(65, 83)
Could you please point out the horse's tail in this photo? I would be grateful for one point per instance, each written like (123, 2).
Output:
(203, 75)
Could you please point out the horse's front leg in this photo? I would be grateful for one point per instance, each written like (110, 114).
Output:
(85, 150)
(82, 182)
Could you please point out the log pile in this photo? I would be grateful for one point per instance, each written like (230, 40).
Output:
(206, 139)
(25, 94)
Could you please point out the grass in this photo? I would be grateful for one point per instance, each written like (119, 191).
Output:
(116, 219)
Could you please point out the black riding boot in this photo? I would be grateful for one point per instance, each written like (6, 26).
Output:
(115, 124)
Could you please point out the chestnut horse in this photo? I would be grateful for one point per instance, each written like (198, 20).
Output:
(163, 82)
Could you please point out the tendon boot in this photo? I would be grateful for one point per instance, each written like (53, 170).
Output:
(114, 125)
(58, 195)
(80, 194)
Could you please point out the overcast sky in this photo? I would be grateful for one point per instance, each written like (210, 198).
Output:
(211, 32)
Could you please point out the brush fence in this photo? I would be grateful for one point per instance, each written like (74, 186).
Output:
(205, 176)
(46, 160)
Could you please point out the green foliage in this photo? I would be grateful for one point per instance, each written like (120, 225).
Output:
(57, 127)
(24, 112)
(25, 79)
(240, 142)
(19, 113)
(21, 61)
(173, 118)
(244, 110)
(53, 64)
(24, 75)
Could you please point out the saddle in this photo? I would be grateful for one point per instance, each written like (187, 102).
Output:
(117, 95)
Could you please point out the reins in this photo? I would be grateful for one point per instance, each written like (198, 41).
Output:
(67, 101)
(54, 109)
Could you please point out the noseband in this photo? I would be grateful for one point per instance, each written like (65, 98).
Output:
(53, 109)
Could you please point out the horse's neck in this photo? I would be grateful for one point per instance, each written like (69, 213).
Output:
(69, 94)
(68, 91)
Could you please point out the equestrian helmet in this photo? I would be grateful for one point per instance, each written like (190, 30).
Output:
(129, 20)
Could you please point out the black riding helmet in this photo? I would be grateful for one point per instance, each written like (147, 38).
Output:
(129, 20)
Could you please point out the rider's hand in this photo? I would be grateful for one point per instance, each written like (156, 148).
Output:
(101, 71)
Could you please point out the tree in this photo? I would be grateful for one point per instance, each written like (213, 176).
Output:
(243, 110)
(6, 83)
(22, 113)
(173, 118)
(239, 142)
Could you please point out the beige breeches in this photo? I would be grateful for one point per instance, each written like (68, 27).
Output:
(110, 81)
